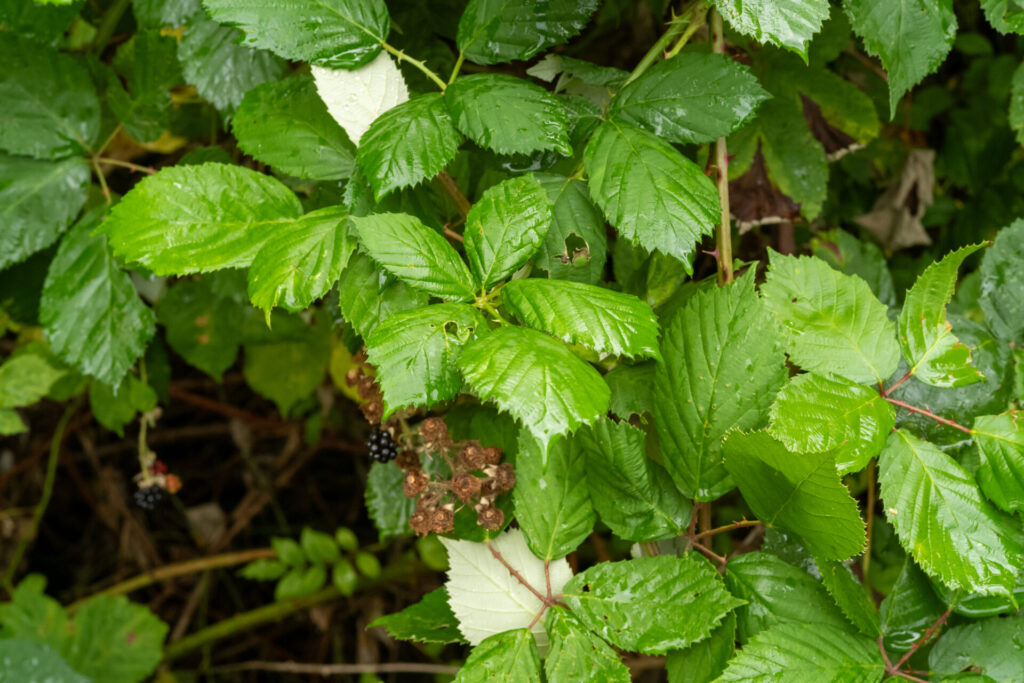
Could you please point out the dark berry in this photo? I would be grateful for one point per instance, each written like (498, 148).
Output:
(382, 448)
(148, 497)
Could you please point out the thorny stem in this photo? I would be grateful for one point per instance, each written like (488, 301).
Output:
(710, 554)
(517, 576)
(452, 234)
(676, 27)
(401, 56)
(921, 641)
(727, 527)
(928, 413)
(887, 392)
(449, 185)
(865, 563)
(44, 501)
(724, 241)
(698, 20)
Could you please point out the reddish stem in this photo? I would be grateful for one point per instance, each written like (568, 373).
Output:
(888, 392)
(922, 640)
(518, 577)
(928, 413)
(727, 527)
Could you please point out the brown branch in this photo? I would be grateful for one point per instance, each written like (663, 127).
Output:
(710, 554)
(888, 392)
(449, 185)
(928, 413)
(518, 577)
(727, 527)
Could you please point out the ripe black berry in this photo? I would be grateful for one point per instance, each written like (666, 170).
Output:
(382, 447)
(148, 497)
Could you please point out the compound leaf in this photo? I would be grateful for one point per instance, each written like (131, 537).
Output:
(577, 654)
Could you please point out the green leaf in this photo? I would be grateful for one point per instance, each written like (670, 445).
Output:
(335, 33)
(849, 255)
(796, 653)
(264, 570)
(115, 406)
(650, 604)
(576, 244)
(776, 592)
(301, 260)
(389, 508)
(415, 353)
(552, 503)
(485, 596)
(1000, 440)
(992, 646)
(509, 657)
(367, 296)
(691, 98)
(285, 124)
(578, 655)
(26, 378)
(493, 31)
(290, 370)
(850, 595)
(188, 219)
(1004, 15)
(408, 144)
(652, 194)
(416, 254)
(942, 520)
(833, 323)
(42, 23)
(90, 312)
(48, 106)
(723, 363)
(318, 547)
(222, 70)
(1016, 113)
(909, 610)
(300, 582)
(934, 354)
(786, 23)
(631, 387)
(505, 227)
(29, 662)
(536, 379)
(814, 414)
(634, 496)
(201, 327)
(11, 423)
(800, 493)
(344, 577)
(911, 37)
(508, 115)
(151, 62)
(600, 319)
(116, 641)
(430, 620)
(288, 551)
(705, 661)
(38, 201)
(1002, 284)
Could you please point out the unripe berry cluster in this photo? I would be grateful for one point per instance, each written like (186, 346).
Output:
(154, 483)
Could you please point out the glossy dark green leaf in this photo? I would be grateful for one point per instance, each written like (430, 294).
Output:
(90, 312)
(416, 254)
(600, 319)
(509, 657)
(634, 496)
(151, 65)
(43, 23)
(814, 414)
(388, 507)
(552, 503)
(301, 260)
(994, 647)
(408, 144)
(578, 655)
(723, 363)
(776, 592)
(704, 661)
(189, 219)
(201, 327)
(535, 378)
(505, 228)
(942, 520)
(800, 493)
(650, 604)
(576, 244)
(285, 124)
(38, 201)
(632, 389)
(336, 33)
(786, 23)
(48, 106)
(428, 621)
(222, 70)
(652, 194)
(691, 98)
(493, 31)
(416, 353)
(909, 610)
(851, 596)
(367, 295)
(1000, 440)
(796, 653)
(508, 115)
(833, 322)
(1002, 283)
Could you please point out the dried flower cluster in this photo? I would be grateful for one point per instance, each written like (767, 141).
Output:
(477, 478)
(368, 389)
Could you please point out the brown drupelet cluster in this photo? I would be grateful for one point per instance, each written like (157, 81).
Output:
(478, 477)
(368, 389)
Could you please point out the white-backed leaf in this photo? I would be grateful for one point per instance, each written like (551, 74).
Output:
(355, 98)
